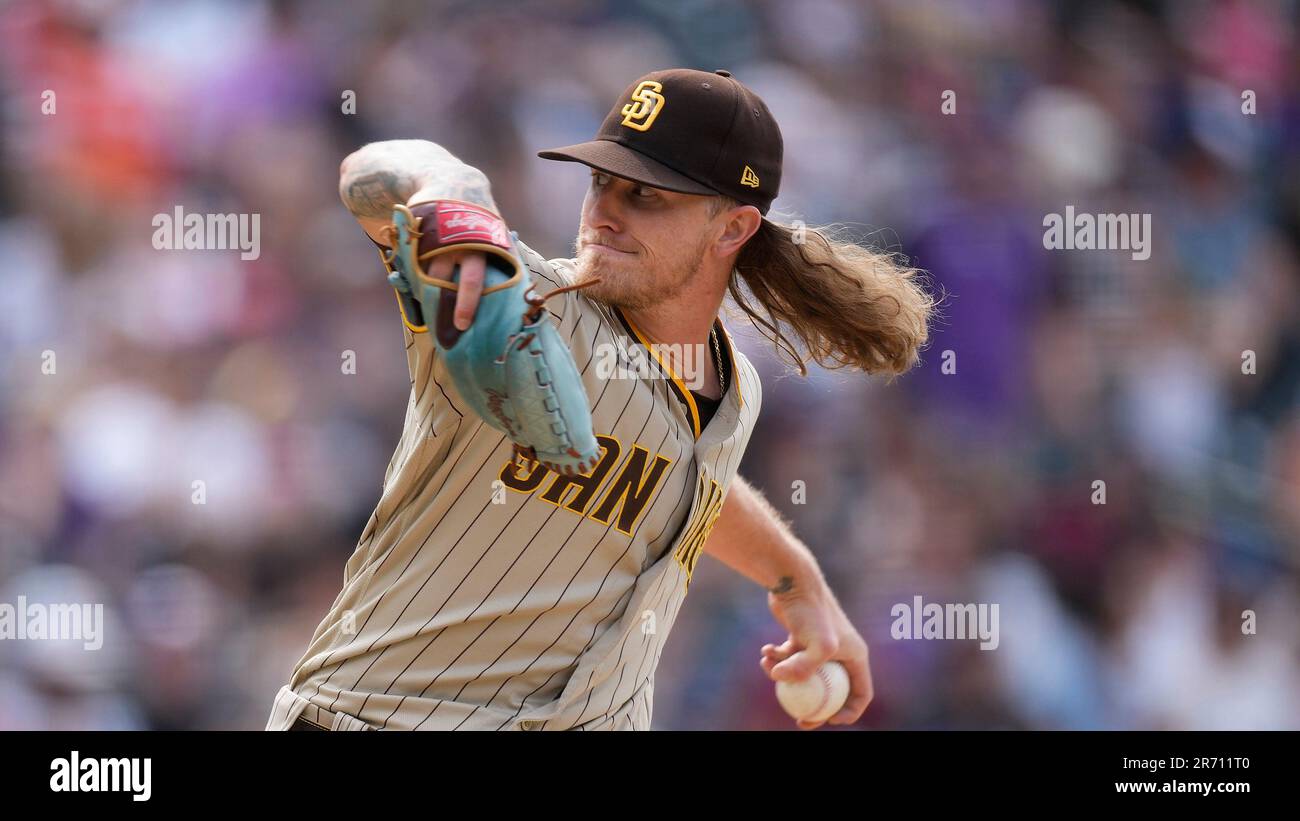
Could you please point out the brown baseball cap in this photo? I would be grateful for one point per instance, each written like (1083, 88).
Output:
(690, 131)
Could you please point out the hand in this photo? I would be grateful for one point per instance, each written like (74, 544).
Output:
(818, 631)
(473, 268)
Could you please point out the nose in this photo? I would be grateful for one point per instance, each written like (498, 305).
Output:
(602, 210)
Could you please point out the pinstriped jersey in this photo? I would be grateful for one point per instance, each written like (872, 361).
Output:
(484, 595)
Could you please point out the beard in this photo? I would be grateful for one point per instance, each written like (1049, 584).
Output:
(633, 282)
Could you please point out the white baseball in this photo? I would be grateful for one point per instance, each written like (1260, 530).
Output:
(817, 697)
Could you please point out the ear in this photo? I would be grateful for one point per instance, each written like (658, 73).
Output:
(738, 225)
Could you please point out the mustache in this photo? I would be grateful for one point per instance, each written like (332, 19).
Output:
(599, 240)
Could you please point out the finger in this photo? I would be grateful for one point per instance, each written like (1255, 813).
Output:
(784, 650)
(473, 270)
(775, 654)
(801, 664)
(441, 266)
(852, 710)
(861, 691)
(809, 725)
(377, 229)
(855, 705)
(446, 332)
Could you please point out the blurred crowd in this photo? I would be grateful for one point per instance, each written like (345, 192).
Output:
(1112, 455)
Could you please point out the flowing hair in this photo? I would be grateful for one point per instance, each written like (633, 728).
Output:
(845, 305)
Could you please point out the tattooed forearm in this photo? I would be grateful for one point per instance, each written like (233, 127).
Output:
(375, 177)
(463, 183)
(373, 194)
(785, 585)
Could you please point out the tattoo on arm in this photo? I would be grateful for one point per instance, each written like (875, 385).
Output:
(377, 176)
(373, 194)
(465, 183)
(784, 586)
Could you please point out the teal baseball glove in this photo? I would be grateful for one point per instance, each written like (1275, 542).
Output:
(510, 365)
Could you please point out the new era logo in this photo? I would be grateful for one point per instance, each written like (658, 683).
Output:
(749, 178)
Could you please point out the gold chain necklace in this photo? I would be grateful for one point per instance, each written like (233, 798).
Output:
(717, 358)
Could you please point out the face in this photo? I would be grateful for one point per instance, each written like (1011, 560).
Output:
(644, 243)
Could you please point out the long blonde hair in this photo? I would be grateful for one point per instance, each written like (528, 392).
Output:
(845, 305)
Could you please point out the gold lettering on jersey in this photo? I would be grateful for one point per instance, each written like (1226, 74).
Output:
(527, 480)
(707, 509)
(646, 104)
(749, 178)
(632, 490)
(520, 479)
(588, 485)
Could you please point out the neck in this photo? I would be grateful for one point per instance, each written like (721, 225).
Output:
(669, 329)
(685, 318)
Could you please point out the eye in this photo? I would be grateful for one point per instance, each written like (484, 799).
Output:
(643, 193)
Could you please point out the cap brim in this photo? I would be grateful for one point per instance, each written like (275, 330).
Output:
(621, 161)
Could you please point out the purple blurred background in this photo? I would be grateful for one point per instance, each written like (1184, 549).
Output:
(1072, 366)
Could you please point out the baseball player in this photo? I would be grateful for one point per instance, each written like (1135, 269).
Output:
(490, 593)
